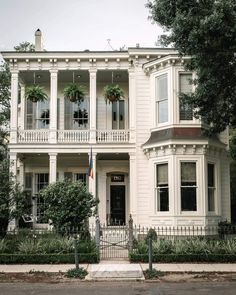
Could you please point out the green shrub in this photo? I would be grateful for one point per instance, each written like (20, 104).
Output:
(79, 273)
(3, 246)
(29, 246)
(151, 234)
(162, 247)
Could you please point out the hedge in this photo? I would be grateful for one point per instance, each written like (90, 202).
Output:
(47, 258)
(220, 258)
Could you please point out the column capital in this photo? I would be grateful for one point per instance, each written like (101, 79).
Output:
(53, 71)
(132, 155)
(52, 154)
(92, 71)
(131, 71)
(13, 155)
(14, 72)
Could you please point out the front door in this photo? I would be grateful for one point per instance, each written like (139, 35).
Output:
(117, 205)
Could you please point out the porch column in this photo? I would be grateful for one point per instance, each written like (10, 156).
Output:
(12, 225)
(92, 181)
(52, 167)
(53, 106)
(132, 105)
(22, 106)
(133, 186)
(93, 104)
(14, 106)
(22, 173)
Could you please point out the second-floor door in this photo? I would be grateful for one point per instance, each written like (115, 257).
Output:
(118, 114)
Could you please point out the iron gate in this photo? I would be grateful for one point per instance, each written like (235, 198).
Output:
(114, 242)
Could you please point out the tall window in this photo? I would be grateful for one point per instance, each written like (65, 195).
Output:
(81, 177)
(185, 87)
(37, 115)
(76, 116)
(188, 186)
(162, 188)
(162, 99)
(211, 187)
(118, 114)
(41, 180)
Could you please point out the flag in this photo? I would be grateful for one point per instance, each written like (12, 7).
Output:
(90, 170)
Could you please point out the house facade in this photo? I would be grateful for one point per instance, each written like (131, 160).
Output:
(150, 157)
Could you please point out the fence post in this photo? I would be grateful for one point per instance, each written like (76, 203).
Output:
(97, 233)
(150, 253)
(76, 252)
(131, 233)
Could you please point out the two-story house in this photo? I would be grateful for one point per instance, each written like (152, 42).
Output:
(150, 157)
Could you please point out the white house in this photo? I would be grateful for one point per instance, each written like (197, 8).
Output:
(150, 157)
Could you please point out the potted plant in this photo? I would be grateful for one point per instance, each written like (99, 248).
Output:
(113, 92)
(45, 116)
(35, 93)
(74, 92)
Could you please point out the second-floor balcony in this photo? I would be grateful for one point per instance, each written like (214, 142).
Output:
(74, 136)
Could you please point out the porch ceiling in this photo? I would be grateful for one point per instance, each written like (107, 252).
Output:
(113, 156)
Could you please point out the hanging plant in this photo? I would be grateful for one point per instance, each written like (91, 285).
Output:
(113, 92)
(81, 117)
(74, 92)
(45, 116)
(35, 93)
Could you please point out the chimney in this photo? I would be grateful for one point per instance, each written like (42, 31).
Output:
(38, 41)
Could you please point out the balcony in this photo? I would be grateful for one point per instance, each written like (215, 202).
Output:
(74, 136)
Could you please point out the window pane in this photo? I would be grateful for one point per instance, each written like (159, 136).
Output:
(211, 181)
(162, 88)
(188, 199)
(211, 199)
(185, 86)
(162, 174)
(163, 111)
(188, 173)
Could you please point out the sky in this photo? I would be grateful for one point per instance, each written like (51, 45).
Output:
(77, 24)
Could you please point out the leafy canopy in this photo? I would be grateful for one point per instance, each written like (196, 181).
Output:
(205, 30)
(68, 204)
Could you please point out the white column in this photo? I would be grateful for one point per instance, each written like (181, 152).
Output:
(53, 106)
(132, 105)
(52, 167)
(92, 181)
(13, 170)
(93, 104)
(22, 106)
(133, 186)
(22, 173)
(14, 106)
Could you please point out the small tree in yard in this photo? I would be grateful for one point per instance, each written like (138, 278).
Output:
(68, 204)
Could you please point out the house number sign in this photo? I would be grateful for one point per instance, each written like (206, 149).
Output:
(117, 178)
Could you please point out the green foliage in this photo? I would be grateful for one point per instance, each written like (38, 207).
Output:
(25, 47)
(69, 204)
(74, 92)
(3, 246)
(153, 274)
(151, 234)
(113, 92)
(206, 31)
(35, 93)
(79, 273)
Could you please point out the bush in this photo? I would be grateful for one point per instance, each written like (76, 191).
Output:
(3, 246)
(151, 234)
(79, 273)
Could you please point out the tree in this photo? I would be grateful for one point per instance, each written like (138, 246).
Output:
(206, 31)
(25, 47)
(68, 204)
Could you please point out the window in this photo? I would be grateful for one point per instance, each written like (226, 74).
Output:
(37, 115)
(118, 114)
(162, 189)
(185, 87)
(76, 116)
(162, 99)
(41, 180)
(81, 177)
(188, 186)
(211, 187)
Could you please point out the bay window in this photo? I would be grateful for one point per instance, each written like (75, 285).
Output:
(185, 87)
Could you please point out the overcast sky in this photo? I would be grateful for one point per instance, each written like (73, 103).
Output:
(77, 24)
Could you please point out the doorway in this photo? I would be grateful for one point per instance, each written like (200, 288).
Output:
(117, 205)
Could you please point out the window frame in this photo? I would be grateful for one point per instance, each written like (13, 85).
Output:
(212, 188)
(156, 188)
(181, 73)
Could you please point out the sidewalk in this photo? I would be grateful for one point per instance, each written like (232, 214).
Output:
(175, 267)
